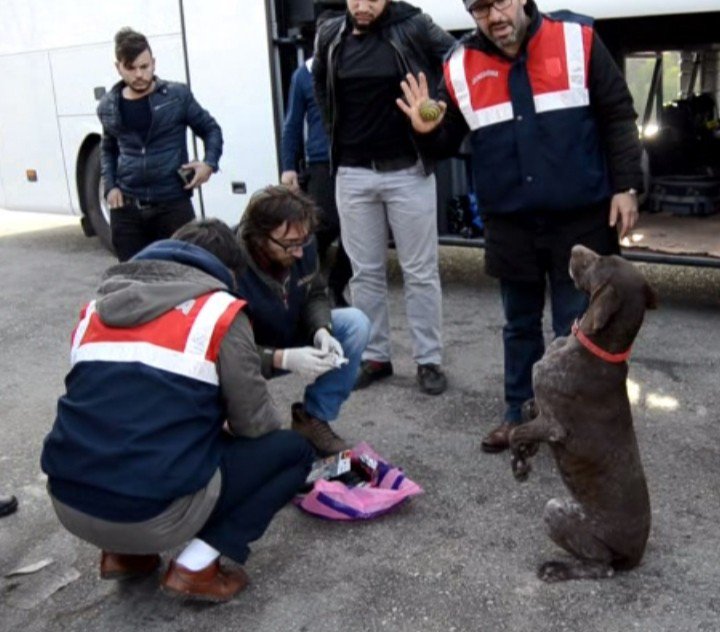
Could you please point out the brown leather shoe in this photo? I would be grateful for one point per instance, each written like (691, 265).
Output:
(212, 583)
(498, 439)
(318, 432)
(122, 566)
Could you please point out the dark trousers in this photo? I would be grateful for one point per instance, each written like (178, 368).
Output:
(259, 476)
(320, 185)
(523, 304)
(133, 228)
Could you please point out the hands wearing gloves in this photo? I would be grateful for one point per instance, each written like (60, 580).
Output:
(324, 341)
(307, 361)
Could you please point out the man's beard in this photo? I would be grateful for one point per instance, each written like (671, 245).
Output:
(364, 28)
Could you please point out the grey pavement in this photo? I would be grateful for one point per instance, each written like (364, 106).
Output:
(462, 557)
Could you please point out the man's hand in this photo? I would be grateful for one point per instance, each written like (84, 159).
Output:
(290, 180)
(625, 207)
(307, 361)
(115, 198)
(416, 92)
(202, 170)
(324, 341)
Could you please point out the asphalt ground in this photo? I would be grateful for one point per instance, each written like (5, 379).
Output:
(462, 557)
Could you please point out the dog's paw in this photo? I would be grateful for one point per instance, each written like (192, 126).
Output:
(551, 572)
(520, 467)
(555, 571)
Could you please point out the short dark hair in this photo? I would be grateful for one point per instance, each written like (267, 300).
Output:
(129, 45)
(215, 236)
(271, 207)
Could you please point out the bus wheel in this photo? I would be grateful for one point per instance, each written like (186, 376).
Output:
(95, 206)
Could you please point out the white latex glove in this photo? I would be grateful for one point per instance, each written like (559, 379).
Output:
(307, 361)
(324, 341)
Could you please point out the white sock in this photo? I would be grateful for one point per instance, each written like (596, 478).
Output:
(197, 555)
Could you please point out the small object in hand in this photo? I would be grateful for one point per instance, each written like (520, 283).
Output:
(430, 110)
(186, 174)
(339, 361)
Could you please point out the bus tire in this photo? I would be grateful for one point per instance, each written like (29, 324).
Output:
(95, 208)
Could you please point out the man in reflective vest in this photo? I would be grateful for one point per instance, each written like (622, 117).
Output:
(137, 460)
(555, 162)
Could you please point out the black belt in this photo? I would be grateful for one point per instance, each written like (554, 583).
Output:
(382, 165)
(129, 200)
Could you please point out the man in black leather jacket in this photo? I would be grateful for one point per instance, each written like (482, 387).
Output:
(382, 179)
(144, 148)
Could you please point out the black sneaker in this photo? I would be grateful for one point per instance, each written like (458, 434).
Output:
(372, 371)
(8, 506)
(431, 379)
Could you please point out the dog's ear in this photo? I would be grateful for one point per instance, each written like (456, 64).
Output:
(604, 302)
(651, 297)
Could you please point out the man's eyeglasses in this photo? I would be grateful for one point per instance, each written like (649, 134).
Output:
(483, 10)
(296, 245)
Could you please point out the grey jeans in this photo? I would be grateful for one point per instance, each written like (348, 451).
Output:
(405, 200)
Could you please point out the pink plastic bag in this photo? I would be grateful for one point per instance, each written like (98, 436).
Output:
(387, 488)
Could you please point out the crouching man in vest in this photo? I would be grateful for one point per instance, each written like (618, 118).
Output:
(289, 307)
(137, 460)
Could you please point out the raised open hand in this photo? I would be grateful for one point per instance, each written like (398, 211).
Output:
(416, 96)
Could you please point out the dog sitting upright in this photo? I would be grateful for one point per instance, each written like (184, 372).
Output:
(581, 409)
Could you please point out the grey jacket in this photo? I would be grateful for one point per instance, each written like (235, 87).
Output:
(136, 292)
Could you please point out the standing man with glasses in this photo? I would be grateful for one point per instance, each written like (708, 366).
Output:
(382, 179)
(555, 158)
(289, 307)
(144, 149)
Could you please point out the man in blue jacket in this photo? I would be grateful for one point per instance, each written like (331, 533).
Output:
(147, 178)
(555, 158)
(288, 304)
(304, 126)
(137, 459)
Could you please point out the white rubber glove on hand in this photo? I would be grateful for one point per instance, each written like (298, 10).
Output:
(307, 361)
(324, 341)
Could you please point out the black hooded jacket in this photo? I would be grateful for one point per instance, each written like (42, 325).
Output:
(419, 43)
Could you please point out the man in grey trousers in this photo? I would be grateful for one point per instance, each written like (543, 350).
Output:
(382, 180)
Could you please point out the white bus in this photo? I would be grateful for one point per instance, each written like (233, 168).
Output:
(56, 60)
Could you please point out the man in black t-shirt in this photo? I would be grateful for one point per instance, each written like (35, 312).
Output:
(144, 150)
(382, 180)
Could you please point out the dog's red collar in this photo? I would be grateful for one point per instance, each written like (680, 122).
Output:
(597, 351)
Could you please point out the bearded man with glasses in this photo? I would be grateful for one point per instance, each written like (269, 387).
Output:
(289, 306)
(555, 162)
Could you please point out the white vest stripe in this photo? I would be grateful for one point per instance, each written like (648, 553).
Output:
(162, 358)
(202, 330)
(81, 329)
(474, 118)
(577, 94)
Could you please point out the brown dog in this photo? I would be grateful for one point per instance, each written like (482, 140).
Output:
(581, 409)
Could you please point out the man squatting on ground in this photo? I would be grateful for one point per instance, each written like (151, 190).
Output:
(144, 121)
(137, 459)
(289, 307)
(381, 177)
(554, 150)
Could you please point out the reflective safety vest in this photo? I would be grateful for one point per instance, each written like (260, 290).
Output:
(184, 341)
(534, 138)
(143, 410)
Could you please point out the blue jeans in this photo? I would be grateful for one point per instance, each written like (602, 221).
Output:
(325, 396)
(524, 345)
(259, 477)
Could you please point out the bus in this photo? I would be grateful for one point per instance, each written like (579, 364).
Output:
(56, 59)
